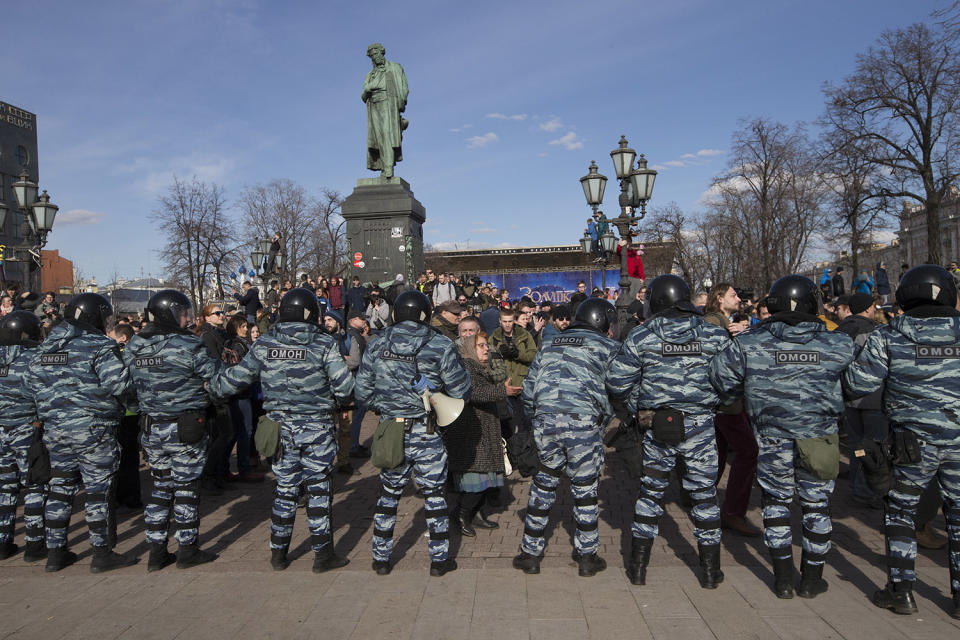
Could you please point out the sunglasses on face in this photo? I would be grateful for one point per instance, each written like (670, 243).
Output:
(217, 313)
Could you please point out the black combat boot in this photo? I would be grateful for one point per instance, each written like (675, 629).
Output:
(278, 559)
(481, 521)
(105, 559)
(466, 522)
(590, 564)
(812, 583)
(442, 567)
(59, 558)
(382, 567)
(159, 557)
(710, 574)
(639, 559)
(35, 550)
(190, 555)
(783, 577)
(527, 563)
(7, 549)
(898, 597)
(325, 560)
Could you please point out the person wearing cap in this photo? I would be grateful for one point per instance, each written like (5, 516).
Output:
(333, 326)
(559, 321)
(862, 418)
(446, 319)
(378, 311)
(356, 343)
(395, 289)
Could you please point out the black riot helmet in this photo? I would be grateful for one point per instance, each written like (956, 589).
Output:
(23, 325)
(668, 292)
(926, 284)
(794, 293)
(169, 308)
(411, 305)
(90, 311)
(300, 305)
(597, 314)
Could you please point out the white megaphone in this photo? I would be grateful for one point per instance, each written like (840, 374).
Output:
(447, 409)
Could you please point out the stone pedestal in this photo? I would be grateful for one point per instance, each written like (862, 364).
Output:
(385, 226)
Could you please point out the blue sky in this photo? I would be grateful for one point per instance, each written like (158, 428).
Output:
(509, 101)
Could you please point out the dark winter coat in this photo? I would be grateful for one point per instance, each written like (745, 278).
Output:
(473, 440)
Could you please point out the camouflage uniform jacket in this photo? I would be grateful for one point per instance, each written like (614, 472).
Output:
(301, 371)
(386, 375)
(662, 364)
(16, 408)
(168, 370)
(75, 378)
(568, 375)
(920, 360)
(788, 371)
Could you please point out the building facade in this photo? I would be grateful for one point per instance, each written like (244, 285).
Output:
(913, 232)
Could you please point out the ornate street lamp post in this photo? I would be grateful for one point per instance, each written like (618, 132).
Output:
(39, 214)
(636, 188)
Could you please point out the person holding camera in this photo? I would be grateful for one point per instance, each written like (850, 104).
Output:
(378, 311)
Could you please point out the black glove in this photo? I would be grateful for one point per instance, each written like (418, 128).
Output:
(877, 465)
(509, 351)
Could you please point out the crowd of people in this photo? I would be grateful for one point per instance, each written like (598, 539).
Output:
(774, 381)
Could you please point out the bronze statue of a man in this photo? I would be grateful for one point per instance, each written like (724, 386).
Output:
(385, 94)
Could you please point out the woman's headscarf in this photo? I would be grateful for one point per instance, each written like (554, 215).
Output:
(468, 348)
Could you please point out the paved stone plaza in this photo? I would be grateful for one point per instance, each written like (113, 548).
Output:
(239, 596)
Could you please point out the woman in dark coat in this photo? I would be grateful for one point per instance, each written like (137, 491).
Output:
(474, 448)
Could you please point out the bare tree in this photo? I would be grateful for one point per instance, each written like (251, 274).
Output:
(902, 101)
(327, 249)
(284, 206)
(192, 216)
(859, 204)
(770, 198)
(670, 224)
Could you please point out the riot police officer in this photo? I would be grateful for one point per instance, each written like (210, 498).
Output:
(75, 379)
(564, 391)
(19, 336)
(788, 370)
(661, 372)
(304, 379)
(168, 366)
(401, 363)
(918, 356)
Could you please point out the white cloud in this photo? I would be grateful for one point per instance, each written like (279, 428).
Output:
(569, 141)
(461, 128)
(705, 153)
(207, 168)
(476, 142)
(553, 124)
(78, 216)
(675, 163)
(483, 230)
(503, 116)
(689, 156)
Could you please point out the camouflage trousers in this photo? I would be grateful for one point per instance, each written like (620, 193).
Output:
(575, 444)
(779, 476)
(14, 442)
(90, 455)
(909, 481)
(699, 455)
(307, 454)
(175, 468)
(425, 455)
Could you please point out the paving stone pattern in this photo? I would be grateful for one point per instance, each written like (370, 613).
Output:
(239, 596)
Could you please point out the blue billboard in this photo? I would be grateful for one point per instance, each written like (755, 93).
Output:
(553, 286)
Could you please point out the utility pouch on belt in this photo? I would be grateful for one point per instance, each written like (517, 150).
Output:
(192, 426)
(386, 450)
(820, 456)
(906, 447)
(877, 463)
(267, 437)
(668, 426)
(38, 460)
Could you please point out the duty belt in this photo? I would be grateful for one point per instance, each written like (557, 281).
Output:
(409, 422)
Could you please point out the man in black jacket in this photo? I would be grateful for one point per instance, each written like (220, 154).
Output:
(250, 301)
(863, 418)
(838, 286)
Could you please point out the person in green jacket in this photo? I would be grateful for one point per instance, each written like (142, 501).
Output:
(517, 347)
